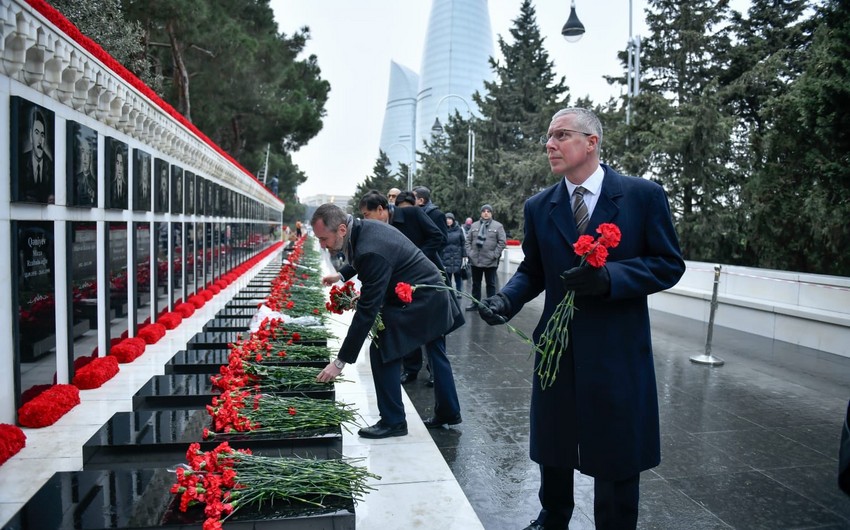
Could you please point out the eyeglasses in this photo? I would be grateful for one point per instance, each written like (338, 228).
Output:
(560, 135)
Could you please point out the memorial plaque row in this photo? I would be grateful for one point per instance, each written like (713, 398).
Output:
(157, 185)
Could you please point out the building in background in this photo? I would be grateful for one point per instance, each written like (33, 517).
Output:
(455, 64)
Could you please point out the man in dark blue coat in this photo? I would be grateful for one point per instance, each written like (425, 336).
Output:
(384, 257)
(600, 416)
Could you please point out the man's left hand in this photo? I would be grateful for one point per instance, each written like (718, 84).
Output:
(587, 281)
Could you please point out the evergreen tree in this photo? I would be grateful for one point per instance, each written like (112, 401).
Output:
(680, 129)
(443, 169)
(105, 23)
(802, 206)
(380, 180)
(510, 163)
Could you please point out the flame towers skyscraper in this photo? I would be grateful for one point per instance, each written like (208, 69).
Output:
(455, 64)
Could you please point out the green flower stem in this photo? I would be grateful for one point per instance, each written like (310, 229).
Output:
(276, 377)
(273, 414)
(554, 340)
(519, 333)
(269, 479)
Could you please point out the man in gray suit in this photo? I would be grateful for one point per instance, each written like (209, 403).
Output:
(384, 257)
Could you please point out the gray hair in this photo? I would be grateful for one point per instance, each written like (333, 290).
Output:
(585, 120)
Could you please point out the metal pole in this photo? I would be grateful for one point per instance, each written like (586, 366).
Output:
(470, 157)
(707, 358)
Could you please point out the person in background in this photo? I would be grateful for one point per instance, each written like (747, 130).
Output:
(392, 194)
(467, 225)
(423, 200)
(382, 258)
(454, 253)
(484, 245)
(600, 415)
(298, 229)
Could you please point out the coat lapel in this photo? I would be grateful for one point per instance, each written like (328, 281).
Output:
(561, 213)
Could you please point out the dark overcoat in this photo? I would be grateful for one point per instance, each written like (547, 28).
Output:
(601, 414)
(455, 250)
(383, 257)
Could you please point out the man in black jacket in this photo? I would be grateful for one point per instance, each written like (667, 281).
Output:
(383, 257)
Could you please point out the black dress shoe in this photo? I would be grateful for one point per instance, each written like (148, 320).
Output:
(382, 430)
(534, 526)
(434, 422)
(407, 377)
(472, 307)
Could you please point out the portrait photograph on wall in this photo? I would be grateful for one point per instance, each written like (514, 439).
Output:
(200, 199)
(141, 180)
(189, 193)
(176, 189)
(117, 178)
(161, 194)
(81, 147)
(32, 141)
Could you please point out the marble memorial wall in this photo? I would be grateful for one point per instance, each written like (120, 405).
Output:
(112, 207)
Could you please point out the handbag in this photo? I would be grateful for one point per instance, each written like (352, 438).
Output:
(465, 273)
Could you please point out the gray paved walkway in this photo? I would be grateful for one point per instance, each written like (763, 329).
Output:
(749, 445)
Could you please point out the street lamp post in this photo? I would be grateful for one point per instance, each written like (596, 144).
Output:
(572, 32)
(409, 174)
(437, 129)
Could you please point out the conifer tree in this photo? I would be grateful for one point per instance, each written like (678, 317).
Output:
(681, 134)
(516, 109)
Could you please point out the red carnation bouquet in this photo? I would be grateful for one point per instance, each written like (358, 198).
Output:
(224, 480)
(12, 440)
(96, 372)
(46, 408)
(344, 298)
(556, 335)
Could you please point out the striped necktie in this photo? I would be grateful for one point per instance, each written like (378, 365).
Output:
(580, 209)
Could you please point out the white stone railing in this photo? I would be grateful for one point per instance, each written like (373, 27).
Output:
(38, 54)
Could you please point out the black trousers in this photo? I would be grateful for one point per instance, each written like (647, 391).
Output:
(615, 502)
(490, 279)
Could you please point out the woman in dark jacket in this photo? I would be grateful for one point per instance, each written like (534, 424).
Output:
(454, 253)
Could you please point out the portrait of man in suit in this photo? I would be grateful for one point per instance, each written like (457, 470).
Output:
(35, 181)
(177, 187)
(142, 180)
(82, 190)
(161, 186)
(119, 183)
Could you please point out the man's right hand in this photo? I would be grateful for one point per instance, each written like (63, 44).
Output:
(495, 310)
(331, 279)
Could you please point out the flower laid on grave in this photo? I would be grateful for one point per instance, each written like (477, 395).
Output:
(151, 333)
(249, 412)
(556, 335)
(96, 372)
(128, 350)
(50, 405)
(170, 319)
(12, 440)
(185, 309)
(225, 480)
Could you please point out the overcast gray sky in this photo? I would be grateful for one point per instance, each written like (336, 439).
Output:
(355, 41)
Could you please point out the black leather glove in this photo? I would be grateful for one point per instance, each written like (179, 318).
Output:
(495, 310)
(587, 281)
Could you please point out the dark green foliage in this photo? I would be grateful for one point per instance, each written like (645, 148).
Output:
(380, 180)
(105, 23)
